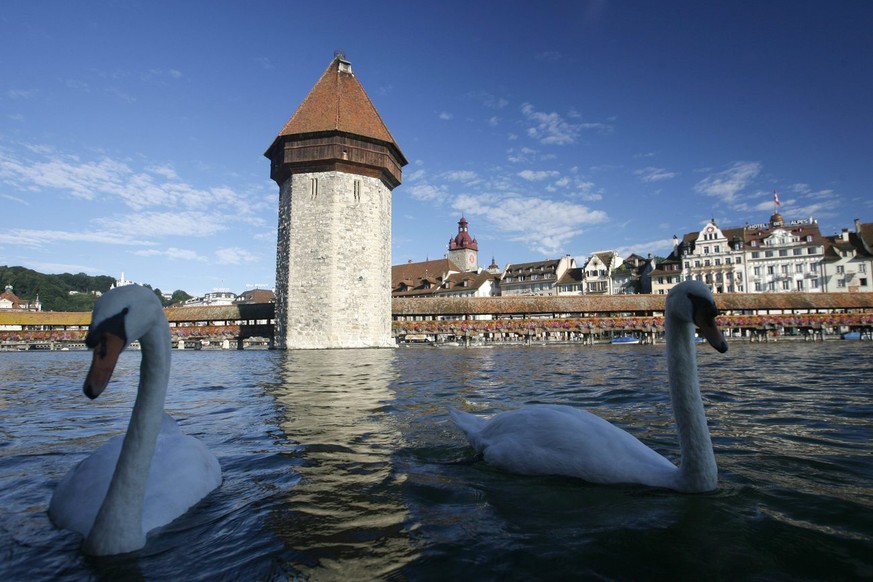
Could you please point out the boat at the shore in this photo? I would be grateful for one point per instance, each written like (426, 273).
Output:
(625, 339)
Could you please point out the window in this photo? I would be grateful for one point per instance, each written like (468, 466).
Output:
(758, 271)
(771, 270)
(784, 269)
(863, 281)
(718, 261)
(758, 286)
(841, 282)
(768, 254)
(756, 254)
(840, 269)
(862, 268)
(796, 252)
(800, 285)
(717, 248)
(313, 188)
(783, 252)
(786, 285)
(357, 190)
(798, 268)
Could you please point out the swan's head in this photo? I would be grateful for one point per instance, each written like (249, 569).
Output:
(120, 316)
(692, 302)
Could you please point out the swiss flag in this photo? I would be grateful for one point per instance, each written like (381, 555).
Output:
(775, 197)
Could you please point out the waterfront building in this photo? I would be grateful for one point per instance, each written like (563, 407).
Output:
(572, 282)
(784, 257)
(598, 272)
(771, 257)
(458, 274)
(11, 301)
(633, 275)
(481, 283)
(463, 249)
(420, 279)
(255, 296)
(336, 164)
(121, 282)
(215, 298)
(535, 278)
(668, 272)
(848, 260)
(716, 257)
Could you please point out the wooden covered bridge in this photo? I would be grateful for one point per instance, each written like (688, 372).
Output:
(567, 318)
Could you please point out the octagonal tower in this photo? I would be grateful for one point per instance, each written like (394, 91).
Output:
(336, 165)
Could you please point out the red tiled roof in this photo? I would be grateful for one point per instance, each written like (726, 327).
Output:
(338, 102)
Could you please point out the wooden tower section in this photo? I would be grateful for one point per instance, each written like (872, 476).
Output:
(336, 164)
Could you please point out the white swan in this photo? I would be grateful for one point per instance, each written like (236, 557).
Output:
(154, 473)
(561, 440)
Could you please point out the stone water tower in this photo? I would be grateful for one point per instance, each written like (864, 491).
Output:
(336, 164)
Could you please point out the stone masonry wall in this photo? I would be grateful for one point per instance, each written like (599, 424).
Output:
(333, 265)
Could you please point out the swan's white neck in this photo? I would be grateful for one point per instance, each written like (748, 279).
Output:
(697, 469)
(118, 526)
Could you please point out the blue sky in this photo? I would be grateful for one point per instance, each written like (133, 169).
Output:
(132, 132)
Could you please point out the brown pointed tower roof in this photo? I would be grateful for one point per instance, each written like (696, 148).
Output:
(338, 102)
(331, 129)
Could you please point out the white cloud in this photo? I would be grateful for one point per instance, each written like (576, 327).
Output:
(20, 93)
(158, 224)
(549, 128)
(523, 219)
(657, 247)
(728, 183)
(172, 253)
(553, 129)
(445, 115)
(37, 238)
(234, 256)
(537, 175)
(552, 56)
(461, 176)
(426, 192)
(521, 155)
(652, 174)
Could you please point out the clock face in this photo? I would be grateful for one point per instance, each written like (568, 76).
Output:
(471, 259)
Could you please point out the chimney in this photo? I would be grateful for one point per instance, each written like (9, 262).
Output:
(857, 226)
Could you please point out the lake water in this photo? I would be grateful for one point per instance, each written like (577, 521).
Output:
(343, 465)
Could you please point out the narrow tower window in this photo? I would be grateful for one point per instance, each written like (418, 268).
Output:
(313, 188)
(357, 190)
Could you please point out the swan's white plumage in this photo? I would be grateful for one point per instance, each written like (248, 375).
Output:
(562, 440)
(183, 471)
(152, 474)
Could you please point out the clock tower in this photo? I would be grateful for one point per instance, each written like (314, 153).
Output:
(463, 249)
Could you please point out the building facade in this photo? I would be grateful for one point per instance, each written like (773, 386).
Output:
(536, 278)
(848, 261)
(336, 165)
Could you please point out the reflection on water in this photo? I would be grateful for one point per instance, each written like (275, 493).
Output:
(344, 465)
(347, 515)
